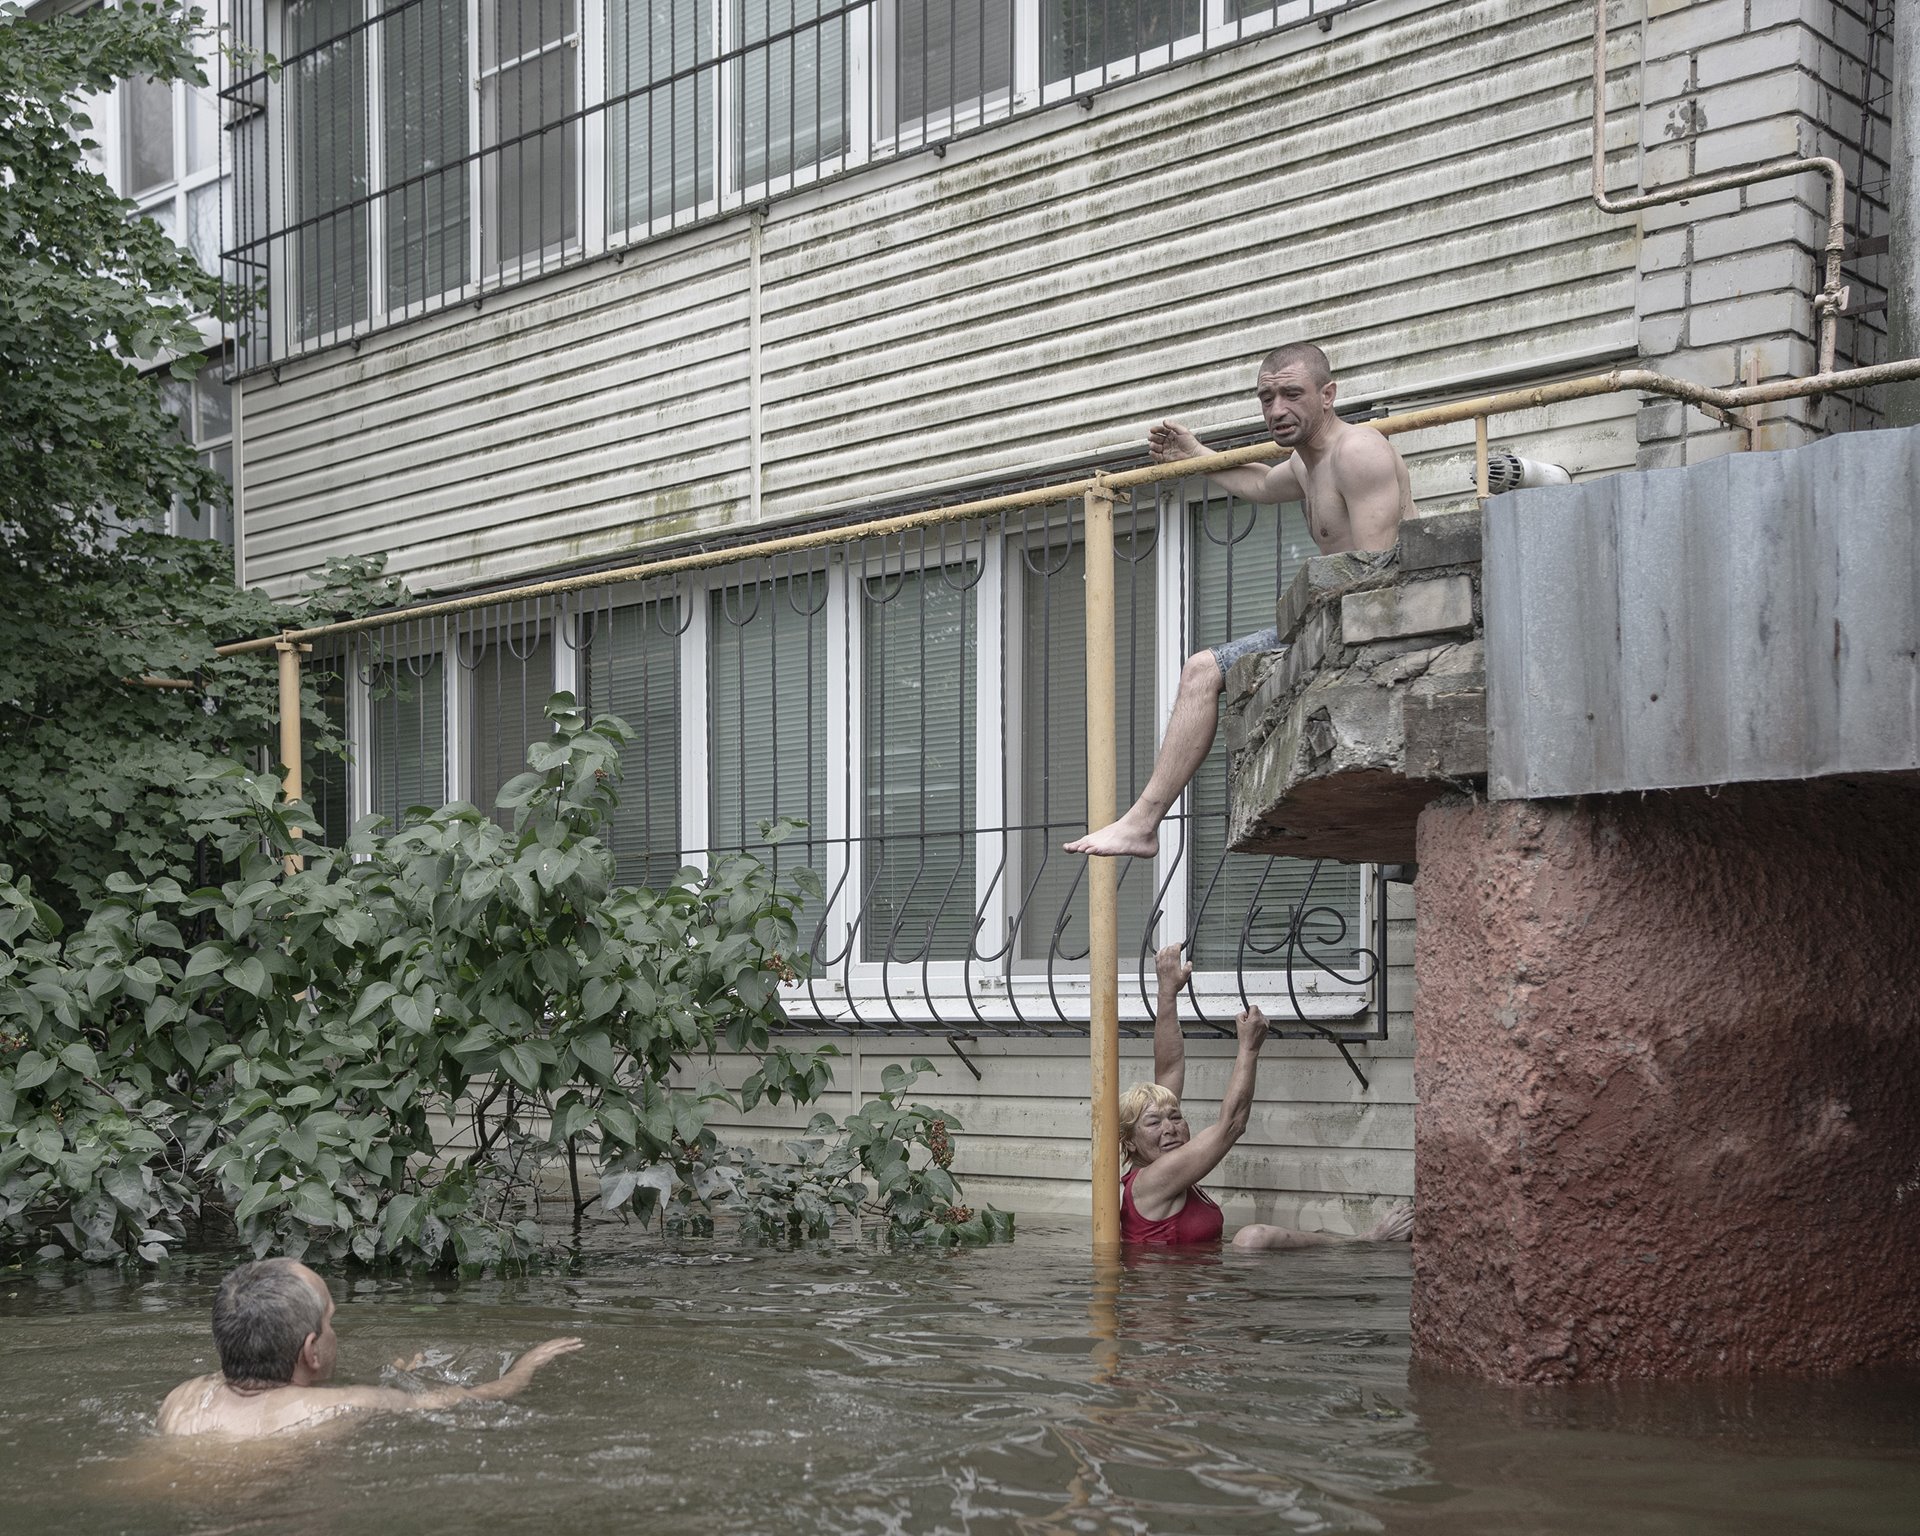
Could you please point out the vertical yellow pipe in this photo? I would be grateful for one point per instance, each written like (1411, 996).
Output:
(1103, 875)
(1480, 488)
(289, 652)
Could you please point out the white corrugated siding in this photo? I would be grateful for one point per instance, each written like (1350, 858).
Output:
(1410, 190)
(1320, 1153)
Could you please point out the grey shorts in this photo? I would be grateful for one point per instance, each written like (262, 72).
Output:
(1226, 655)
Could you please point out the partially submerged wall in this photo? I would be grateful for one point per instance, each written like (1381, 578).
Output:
(1669, 1083)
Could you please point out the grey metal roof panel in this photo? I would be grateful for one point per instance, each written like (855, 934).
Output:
(1754, 617)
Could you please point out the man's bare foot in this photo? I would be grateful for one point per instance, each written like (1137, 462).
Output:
(1394, 1227)
(1123, 839)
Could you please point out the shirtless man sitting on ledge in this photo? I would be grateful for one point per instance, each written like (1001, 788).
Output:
(1355, 488)
(273, 1326)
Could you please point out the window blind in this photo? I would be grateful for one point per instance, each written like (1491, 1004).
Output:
(918, 734)
(941, 59)
(408, 745)
(631, 668)
(512, 682)
(766, 722)
(1082, 35)
(530, 176)
(1243, 557)
(660, 152)
(326, 104)
(146, 134)
(1053, 736)
(790, 90)
(424, 103)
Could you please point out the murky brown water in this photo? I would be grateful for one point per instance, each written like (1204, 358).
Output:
(731, 1389)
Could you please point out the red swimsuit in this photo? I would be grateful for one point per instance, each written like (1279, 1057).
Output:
(1197, 1221)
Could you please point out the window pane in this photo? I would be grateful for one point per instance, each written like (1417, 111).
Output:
(323, 776)
(630, 667)
(531, 171)
(423, 97)
(792, 90)
(1084, 35)
(1053, 712)
(942, 59)
(165, 216)
(767, 720)
(203, 125)
(408, 749)
(660, 154)
(325, 83)
(146, 134)
(1243, 557)
(216, 404)
(920, 636)
(512, 682)
(203, 224)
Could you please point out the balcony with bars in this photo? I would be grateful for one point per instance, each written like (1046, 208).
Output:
(401, 159)
(917, 701)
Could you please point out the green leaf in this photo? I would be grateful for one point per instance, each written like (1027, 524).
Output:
(689, 1116)
(250, 976)
(32, 1070)
(595, 1052)
(43, 1140)
(313, 1202)
(618, 1120)
(400, 1221)
(79, 1058)
(520, 1064)
(204, 961)
(599, 998)
(258, 1198)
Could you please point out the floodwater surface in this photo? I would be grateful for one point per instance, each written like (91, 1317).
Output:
(729, 1388)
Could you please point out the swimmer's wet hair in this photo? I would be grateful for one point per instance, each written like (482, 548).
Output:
(261, 1316)
(1303, 352)
(1134, 1103)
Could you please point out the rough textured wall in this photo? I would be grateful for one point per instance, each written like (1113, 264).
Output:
(1668, 1070)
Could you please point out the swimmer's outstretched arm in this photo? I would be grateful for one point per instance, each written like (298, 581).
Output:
(512, 1382)
(1169, 442)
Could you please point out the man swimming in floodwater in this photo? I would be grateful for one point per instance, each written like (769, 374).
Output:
(1161, 1201)
(1355, 488)
(273, 1326)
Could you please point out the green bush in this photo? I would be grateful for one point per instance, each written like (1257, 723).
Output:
(372, 1058)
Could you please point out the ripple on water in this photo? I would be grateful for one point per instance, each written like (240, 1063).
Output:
(843, 1389)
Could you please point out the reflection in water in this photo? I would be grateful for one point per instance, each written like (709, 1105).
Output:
(1011, 1389)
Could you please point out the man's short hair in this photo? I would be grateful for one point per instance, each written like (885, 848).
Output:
(1304, 353)
(261, 1316)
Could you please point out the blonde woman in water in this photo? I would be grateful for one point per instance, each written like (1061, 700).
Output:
(1161, 1200)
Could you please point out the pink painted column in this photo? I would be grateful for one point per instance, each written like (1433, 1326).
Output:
(1668, 1063)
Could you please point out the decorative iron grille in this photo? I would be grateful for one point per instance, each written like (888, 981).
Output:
(918, 702)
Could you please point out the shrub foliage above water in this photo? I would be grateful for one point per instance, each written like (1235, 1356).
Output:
(373, 1058)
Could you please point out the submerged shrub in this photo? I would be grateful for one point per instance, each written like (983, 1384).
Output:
(374, 1057)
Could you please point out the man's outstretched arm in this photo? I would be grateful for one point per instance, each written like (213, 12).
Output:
(1169, 442)
(513, 1381)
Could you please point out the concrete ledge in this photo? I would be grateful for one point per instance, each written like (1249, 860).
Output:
(1376, 703)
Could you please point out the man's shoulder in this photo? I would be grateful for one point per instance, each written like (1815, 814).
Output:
(1361, 442)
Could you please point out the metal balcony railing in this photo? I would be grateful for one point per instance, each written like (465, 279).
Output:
(918, 699)
(392, 161)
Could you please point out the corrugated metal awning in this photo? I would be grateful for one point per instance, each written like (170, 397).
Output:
(1755, 617)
